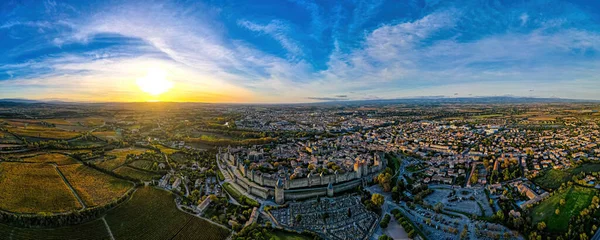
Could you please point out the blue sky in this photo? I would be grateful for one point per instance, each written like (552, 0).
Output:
(299, 50)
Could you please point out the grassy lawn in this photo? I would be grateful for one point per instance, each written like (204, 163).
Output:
(239, 196)
(94, 187)
(586, 167)
(33, 188)
(552, 179)
(577, 198)
(151, 214)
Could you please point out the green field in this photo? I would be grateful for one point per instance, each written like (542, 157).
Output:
(238, 196)
(136, 174)
(552, 179)
(151, 214)
(94, 230)
(577, 198)
(586, 167)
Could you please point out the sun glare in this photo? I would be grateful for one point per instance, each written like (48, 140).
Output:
(155, 82)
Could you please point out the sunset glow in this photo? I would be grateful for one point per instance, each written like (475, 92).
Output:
(155, 82)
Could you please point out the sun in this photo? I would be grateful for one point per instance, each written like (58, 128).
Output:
(155, 82)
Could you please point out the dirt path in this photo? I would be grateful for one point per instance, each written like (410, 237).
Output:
(108, 229)
(70, 187)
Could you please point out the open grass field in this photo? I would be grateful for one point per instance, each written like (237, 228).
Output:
(238, 196)
(94, 230)
(57, 158)
(586, 167)
(552, 179)
(43, 132)
(33, 188)
(94, 187)
(137, 174)
(577, 198)
(140, 218)
(121, 155)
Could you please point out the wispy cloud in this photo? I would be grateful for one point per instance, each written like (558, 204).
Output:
(277, 30)
(441, 48)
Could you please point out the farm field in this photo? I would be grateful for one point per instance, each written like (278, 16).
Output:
(121, 155)
(83, 143)
(137, 174)
(158, 219)
(94, 187)
(57, 158)
(34, 188)
(577, 198)
(57, 121)
(8, 138)
(43, 132)
(166, 150)
(109, 135)
(94, 230)
(142, 164)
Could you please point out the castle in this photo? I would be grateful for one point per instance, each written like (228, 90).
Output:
(282, 187)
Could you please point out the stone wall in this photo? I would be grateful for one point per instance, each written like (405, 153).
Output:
(300, 188)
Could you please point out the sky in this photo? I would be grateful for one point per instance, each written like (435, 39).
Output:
(282, 51)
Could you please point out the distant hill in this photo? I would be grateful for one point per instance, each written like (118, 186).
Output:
(413, 100)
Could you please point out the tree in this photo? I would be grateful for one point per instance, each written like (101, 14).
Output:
(438, 207)
(298, 218)
(474, 178)
(562, 202)
(463, 234)
(541, 226)
(377, 199)
(557, 211)
(385, 180)
(500, 215)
